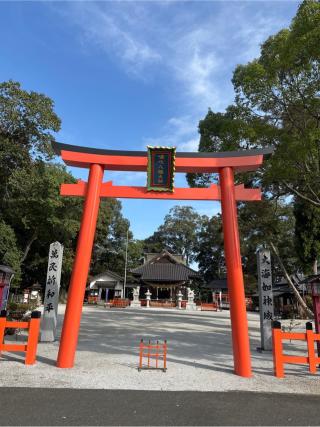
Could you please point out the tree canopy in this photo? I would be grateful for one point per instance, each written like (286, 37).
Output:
(178, 233)
(32, 212)
(277, 103)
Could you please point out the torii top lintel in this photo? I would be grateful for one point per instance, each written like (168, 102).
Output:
(119, 160)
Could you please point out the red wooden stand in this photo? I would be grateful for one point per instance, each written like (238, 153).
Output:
(153, 351)
(30, 348)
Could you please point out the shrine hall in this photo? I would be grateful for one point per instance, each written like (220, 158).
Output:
(165, 275)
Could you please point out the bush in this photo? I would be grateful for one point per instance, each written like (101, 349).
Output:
(18, 311)
(23, 307)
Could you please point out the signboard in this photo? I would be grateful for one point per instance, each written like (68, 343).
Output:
(161, 168)
(265, 298)
(51, 297)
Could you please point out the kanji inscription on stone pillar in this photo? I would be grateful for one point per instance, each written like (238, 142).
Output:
(265, 298)
(51, 296)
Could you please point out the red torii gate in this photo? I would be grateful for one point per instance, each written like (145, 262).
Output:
(98, 160)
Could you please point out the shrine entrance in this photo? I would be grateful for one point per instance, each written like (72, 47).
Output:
(97, 161)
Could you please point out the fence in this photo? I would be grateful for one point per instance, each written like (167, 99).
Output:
(151, 351)
(119, 303)
(158, 303)
(30, 348)
(279, 359)
(209, 306)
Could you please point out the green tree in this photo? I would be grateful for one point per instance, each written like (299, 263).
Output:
(39, 215)
(229, 131)
(32, 212)
(209, 249)
(27, 119)
(178, 233)
(110, 241)
(155, 243)
(277, 95)
(9, 252)
(261, 223)
(27, 127)
(307, 234)
(277, 104)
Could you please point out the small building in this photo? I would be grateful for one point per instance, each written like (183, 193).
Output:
(33, 294)
(218, 292)
(107, 286)
(164, 275)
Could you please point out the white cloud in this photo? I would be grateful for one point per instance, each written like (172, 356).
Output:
(180, 132)
(196, 46)
(125, 178)
(110, 33)
(193, 48)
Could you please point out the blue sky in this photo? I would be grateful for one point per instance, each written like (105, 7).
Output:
(126, 74)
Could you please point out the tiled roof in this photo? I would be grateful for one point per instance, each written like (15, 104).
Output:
(106, 273)
(160, 272)
(217, 284)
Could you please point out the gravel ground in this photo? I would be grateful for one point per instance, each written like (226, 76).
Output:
(199, 355)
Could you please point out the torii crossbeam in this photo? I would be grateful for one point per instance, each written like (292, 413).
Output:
(97, 161)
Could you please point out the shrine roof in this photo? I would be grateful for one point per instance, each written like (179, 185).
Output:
(217, 284)
(106, 274)
(161, 272)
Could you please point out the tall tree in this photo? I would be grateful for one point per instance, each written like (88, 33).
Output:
(261, 223)
(9, 250)
(27, 127)
(178, 233)
(110, 241)
(277, 95)
(277, 103)
(39, 215)
(307, 234)
(209, 248)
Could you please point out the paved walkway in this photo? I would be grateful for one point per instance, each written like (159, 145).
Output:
(199, 356)
(33, 407)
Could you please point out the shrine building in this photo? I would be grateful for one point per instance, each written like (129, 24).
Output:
(104, 287)
(164, 275)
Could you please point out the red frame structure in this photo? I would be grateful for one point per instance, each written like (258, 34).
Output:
(97, 160)
(280, 358)
(30, 348)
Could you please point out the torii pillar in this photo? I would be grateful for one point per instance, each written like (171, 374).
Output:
(96, 160)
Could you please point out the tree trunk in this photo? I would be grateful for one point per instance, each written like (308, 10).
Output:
(295, 291)
(28, 246)
(315, 266)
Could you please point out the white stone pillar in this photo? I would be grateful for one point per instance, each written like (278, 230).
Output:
(51, 297)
